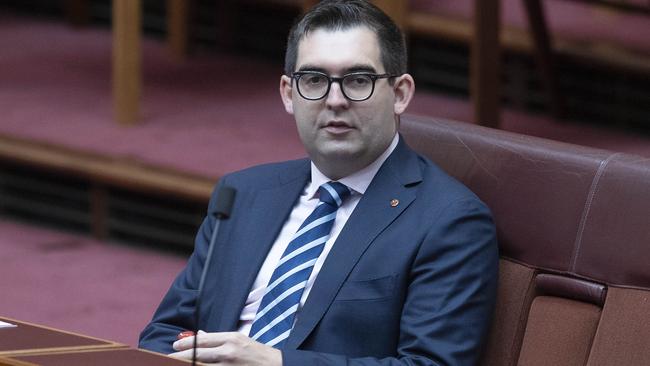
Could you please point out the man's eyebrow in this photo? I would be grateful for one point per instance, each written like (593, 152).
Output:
(353, 68)
(360, 68)
(312, 68)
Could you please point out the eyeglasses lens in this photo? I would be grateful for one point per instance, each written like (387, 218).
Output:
(357, 86)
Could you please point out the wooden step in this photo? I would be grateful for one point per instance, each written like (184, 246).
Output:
(127, 173)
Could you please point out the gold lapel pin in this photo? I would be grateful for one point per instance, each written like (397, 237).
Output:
(394, 202)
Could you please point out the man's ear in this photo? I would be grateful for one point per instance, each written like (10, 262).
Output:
(404, 88)
(286, 92)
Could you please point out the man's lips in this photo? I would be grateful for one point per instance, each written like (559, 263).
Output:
(337, 127)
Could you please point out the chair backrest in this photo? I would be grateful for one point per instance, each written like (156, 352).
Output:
(573, 225)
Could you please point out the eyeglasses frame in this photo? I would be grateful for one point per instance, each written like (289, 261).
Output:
(333, 79)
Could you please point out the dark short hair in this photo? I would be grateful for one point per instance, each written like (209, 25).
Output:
(346, 14)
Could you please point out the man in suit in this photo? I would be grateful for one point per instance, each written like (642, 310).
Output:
(402, 269)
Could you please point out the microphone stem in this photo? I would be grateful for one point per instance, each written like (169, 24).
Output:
(199, 293)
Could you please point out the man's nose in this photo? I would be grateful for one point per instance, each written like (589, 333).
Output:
(335, 97)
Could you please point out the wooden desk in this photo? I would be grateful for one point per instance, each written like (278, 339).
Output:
(28, 338)
(30, 344)
(105, 357)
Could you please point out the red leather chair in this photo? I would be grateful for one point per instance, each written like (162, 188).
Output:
(573, 225)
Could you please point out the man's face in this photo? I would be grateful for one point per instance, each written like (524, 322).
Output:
(343, 136)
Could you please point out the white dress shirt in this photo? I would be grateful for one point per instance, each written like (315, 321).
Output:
(358, 182)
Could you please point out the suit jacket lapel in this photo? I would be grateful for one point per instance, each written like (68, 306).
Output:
(241, 261)
(371, 216)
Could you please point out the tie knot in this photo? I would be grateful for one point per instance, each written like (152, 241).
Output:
(333, 193)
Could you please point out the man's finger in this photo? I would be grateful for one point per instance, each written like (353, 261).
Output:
(202, 355)
(183, 335)
(204, 340)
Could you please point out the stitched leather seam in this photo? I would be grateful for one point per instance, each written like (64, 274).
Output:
(585, 212)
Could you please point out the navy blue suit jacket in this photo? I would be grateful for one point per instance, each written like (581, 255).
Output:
(413, 284)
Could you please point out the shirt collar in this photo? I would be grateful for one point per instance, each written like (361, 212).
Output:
(359, 181)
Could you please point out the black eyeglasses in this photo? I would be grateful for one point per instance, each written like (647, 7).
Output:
(356, 86)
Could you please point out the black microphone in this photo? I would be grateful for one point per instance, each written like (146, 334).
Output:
(225, 199)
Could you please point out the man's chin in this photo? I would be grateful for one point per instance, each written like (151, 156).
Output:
(340, 151)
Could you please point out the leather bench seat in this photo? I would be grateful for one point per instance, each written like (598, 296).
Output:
(573, 225)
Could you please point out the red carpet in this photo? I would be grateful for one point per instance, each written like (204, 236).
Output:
(78, 284)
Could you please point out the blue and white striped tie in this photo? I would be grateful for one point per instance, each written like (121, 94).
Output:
(276, 314)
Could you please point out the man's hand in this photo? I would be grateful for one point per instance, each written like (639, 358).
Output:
(227, 348)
